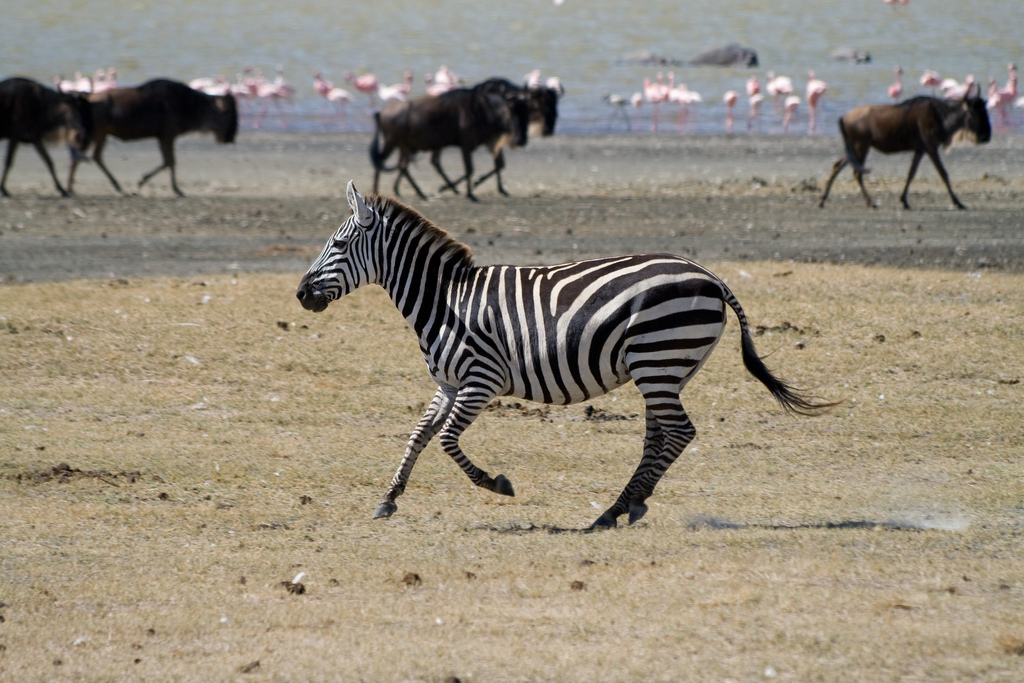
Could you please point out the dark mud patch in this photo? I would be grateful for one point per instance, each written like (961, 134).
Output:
(64, 473)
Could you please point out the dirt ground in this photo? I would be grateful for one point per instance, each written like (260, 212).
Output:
(267, 203)
(189, 463)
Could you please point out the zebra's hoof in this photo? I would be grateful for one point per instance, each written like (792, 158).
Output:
(503, 486)
(605, 521)
(385, 509)
(636, 512)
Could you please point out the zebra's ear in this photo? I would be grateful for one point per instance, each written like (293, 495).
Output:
(362, 213)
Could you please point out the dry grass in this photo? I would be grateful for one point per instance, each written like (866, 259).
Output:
(214, 454)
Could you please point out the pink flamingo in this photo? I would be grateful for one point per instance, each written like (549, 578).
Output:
(532, 80)
(338, 96)
(442, 81)
(216, 85)
(655, 93)
(753, 86)
(815, 90)
(896, 89)
(446, 76)
(637, 100)
(778, 87)
(272, 91)
(730, 97)
(755, 109)
(398, 91)
(791, 105)
(931, 79)
(682, 96)
(366, 84)
(952, 90)
(1003, 97)
(104, 81)
(321, 85)
(79, 84)
(433, 88)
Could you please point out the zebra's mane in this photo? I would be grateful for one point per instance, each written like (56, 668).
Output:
(403, 217)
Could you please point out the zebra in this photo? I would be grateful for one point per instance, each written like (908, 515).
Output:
(553, 334)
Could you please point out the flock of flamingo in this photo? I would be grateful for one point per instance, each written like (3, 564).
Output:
(781, 91)
(251, 85)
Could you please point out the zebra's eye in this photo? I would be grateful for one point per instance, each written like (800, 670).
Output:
(340, 245)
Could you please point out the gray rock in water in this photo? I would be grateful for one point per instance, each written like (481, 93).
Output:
(648, 58)
(733, 54)
(849, 54)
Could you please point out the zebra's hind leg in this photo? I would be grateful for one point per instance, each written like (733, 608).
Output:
(435, 416)
(669, 431)
(469, 403)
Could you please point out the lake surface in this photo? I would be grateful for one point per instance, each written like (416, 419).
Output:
(581, 41)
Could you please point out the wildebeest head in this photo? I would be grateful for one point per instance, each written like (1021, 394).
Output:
(76, 115)
(544, 109)
(976, 124)
(223, 118)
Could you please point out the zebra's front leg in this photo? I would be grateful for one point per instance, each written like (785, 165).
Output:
(435, 416)
(469, 403)
(669, 431)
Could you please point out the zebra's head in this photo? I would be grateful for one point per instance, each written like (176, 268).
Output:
(345, 263)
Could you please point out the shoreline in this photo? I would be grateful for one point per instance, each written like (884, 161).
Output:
(267, 203)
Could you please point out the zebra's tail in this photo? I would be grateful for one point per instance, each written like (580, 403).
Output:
(376, 157)
(788, 397)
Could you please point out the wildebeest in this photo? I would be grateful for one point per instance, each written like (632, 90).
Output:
(732, 54)
(920, 124)
(161, 109)
(30, 112)
(464, 117)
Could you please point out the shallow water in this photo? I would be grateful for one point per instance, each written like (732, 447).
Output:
(581, 42)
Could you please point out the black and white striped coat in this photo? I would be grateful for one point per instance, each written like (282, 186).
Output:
(553, 334)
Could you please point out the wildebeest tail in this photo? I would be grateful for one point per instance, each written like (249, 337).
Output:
(376, 157)
(788, 397)
(851, 158)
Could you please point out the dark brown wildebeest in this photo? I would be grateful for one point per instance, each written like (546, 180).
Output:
(465, 118)
(30, 112)
(920, 125)
(161, 109)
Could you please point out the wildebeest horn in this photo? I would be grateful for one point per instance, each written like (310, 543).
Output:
(359, 209)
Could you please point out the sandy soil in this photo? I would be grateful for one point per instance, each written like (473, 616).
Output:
(267, 203)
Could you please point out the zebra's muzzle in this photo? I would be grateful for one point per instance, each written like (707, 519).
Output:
(312, 300)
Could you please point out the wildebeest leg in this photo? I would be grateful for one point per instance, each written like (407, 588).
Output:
(97, 156)
(836, 168)
(49, 165)
(403, 170)
(467, 160)
(669, 431)
(499, 166)
(167, 151)
(910, 176)
(859, 175)
(933, 154)
(449, 184)
(470, 401)
(12, 147)
(435, 416)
